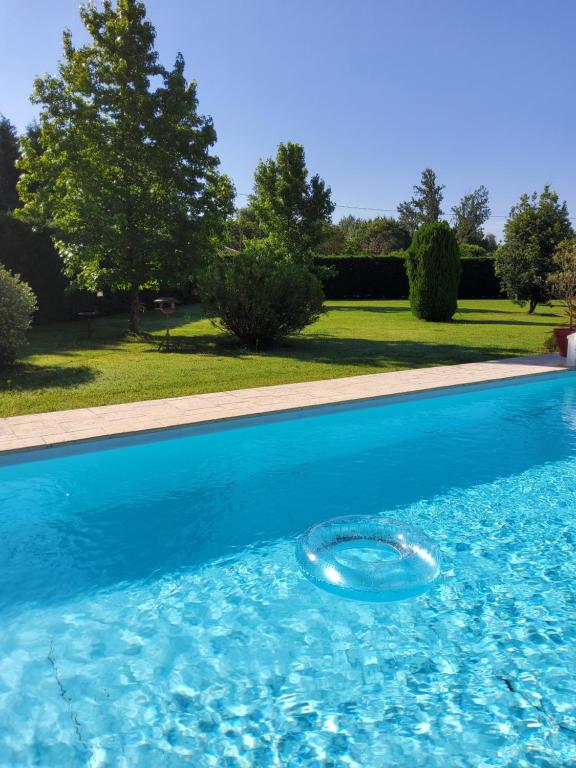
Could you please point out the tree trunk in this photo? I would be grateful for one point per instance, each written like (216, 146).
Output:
(134, 321)
(533, 305)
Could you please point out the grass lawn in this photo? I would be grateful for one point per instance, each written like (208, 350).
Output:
(62, 368)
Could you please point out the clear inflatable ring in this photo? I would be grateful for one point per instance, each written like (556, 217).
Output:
(369, 558)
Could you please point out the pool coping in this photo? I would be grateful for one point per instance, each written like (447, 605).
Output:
(57, 428)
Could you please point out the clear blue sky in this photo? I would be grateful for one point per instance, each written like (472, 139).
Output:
(483, 91)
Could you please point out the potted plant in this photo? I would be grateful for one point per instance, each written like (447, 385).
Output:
(563, 284)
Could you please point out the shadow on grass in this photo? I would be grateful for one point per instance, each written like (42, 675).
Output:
(365, 308)
(465, 321)
(109, 333)
(333, 350)
(26, 376)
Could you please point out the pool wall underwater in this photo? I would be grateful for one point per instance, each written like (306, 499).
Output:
(153, 611)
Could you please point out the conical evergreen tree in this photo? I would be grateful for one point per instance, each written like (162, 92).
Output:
(433, 267)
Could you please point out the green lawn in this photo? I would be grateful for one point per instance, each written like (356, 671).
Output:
(62, 368)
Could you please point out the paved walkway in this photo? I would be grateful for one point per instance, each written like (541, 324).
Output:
(58, 427)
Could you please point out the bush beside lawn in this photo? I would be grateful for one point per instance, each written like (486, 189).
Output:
(64, 369)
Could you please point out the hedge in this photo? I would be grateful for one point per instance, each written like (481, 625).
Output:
(364, 276)
(31, 255)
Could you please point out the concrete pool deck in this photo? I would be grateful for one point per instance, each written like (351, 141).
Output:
(43, 430)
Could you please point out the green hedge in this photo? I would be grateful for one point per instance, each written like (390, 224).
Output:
(363, 276)
(31, 255)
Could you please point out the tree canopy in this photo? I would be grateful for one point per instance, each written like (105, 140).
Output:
(291, 210)
(562, 280)
(537, 224)
(122, 172)
(379, 235)
(471, 213)
(9, 173)
(425, 205)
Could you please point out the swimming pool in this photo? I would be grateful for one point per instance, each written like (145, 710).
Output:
(152, 611)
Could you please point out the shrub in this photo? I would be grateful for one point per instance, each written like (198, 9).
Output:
(17, 305)
(563, 280)
(261, 295)
(433, 267)
(471, 250)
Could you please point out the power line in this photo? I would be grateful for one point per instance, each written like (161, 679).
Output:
(394, 210)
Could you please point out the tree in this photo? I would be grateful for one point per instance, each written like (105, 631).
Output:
(291, 211)
(385, 234)
(124, 179)
(470, 214)
(533, 231)
(241, 227)
(9, 173)
(489, 243)
(433, 267)
(260, 294)
(333, 240)
(563, 280)
(17, 305)
(424, 206)
(379, 235)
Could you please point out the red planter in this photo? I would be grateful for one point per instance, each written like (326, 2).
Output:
(562, 339)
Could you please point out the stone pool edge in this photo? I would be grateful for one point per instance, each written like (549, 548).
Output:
(57, 428)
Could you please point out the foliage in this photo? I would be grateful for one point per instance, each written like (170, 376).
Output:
(489, 242)
(563, 280)
(17, 305)
(291, 211)
(471, 213)
(124, 177)
(241, 227)
(533, 231)
(333, 240)
(30, 254)
(379, 236)
(9, 154)
(471, 251)
(364, 276)
(424, 206)
(261, 295)
(433, 267)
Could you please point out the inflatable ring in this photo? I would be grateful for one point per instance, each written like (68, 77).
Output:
(392, 561)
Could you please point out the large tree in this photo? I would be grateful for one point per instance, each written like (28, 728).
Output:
(124, 177)
(471, 213)
(291, 209)
(425, 205)
(9, 173)
(533, 231)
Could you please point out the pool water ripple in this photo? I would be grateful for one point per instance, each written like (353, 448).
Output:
(235, 659)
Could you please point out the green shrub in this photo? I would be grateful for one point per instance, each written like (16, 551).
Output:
(261, 295)
(472, 251)
(17, 305)
(433, 267)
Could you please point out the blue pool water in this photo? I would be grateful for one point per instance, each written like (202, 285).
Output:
(152, 612)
